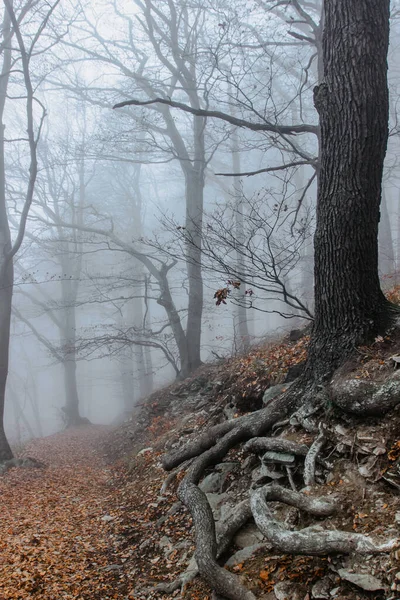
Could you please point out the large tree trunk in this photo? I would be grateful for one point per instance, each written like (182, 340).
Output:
(352, 102)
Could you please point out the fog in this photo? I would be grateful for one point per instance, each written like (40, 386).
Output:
(154, 237)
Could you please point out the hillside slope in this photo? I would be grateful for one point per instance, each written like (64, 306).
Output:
(357, 468)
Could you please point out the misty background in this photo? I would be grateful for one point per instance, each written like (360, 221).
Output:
(142, 214)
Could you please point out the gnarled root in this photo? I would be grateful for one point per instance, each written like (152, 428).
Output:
(222, 581)
(263, 444)
(307, 541)
(363, 398)
(252, 425)
(311, 459)
(214, 448)
(195, 500)
(225, 531)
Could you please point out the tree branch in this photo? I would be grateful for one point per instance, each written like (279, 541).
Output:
(199, 112)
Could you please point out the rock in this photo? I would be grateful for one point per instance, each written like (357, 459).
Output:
(166, 544)
(368, 468)
(274, 391)
(249, 463)
(215, 501)
(286, 590)
(113, 567)
(182, 545)
(107, 518)
(280, 458)
(263, 474)
(190, 572)
(249, 535)
(362, 580)
(295, 335)
(226, 467)
(144, 451)
(334, 592)
(320, 589)
(211, 483)
(245, 554)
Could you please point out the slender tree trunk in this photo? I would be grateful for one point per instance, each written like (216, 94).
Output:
(352, 102)
(165, 300)
(6, 264)
(194, 219)
(33, 396)
(6, 287)
(148, 378)
(240, 316)
(127, 380)
(71, 408)
(194, 181)
(19, 416)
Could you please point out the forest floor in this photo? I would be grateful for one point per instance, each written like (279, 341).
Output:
(96, 522)
(55, 536)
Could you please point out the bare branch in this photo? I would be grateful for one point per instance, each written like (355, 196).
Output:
(199, 112)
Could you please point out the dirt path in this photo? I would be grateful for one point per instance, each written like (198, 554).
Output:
(56, 533)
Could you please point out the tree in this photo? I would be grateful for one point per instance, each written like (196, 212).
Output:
(353, 106)
(352, 102)
(16, 61)
(350, 308)
(162, 57)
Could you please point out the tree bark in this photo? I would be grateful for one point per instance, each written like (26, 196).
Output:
(352, 102)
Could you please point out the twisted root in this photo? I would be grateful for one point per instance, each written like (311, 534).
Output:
(307, 541)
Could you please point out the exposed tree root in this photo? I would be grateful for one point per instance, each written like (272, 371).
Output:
(263, 444)
(290, 478)
(172, 476)
(211, 447)
(195, 500)
(222, 581)
(227, 528)
(225, 531)
(366, 398)
(252, 425)
(311, 459)
(307, 541)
